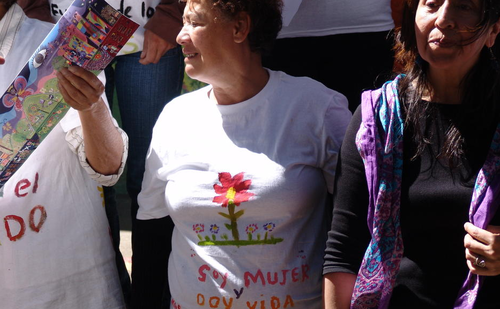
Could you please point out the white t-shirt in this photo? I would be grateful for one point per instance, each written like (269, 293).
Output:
(138, 11)
(274, 156)
(56, 250)
(329, 17)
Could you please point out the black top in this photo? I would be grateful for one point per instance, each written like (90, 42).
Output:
(434, 207)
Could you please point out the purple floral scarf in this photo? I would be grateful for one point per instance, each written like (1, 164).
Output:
(380, 144)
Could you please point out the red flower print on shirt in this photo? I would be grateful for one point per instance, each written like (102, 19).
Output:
(230, 193)
(233, 189)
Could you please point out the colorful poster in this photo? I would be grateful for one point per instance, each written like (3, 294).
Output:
(89, 34)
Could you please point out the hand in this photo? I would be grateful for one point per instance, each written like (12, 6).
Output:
(154, 47)
(80, 88)
(483, 244)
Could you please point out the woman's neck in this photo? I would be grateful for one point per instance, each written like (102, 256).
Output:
(240, 86)
(446, 87)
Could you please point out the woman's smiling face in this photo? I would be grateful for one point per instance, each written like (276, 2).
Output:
(446, 30)
(206, 39)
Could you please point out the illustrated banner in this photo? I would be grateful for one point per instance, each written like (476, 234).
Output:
(89, 34)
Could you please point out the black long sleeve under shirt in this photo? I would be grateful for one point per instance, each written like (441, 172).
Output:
(434, 207)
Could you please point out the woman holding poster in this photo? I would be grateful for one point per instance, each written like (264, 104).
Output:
(56, 251)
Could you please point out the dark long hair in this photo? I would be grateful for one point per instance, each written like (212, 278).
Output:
(481, 85)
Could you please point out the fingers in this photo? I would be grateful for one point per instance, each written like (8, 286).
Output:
(154, 48)
(80, 88)
(144, 53)
(475, 243)
(146, 57)
(478, 239)
(86, 76)
(477, 264)
(477, 233)
(482, 250)
(151, 55)
(481, 265)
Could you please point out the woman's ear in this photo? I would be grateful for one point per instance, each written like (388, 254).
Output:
(242, 25)
(495, 29)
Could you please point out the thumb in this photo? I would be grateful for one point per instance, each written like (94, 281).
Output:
(144, 52)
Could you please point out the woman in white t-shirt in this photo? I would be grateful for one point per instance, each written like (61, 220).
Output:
(244, 167)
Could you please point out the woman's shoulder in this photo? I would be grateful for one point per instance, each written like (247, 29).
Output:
(306, 89)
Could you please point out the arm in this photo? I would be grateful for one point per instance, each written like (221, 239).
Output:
(82, 90)
(337, 290)
(161, 31)
(348, 236)
(336, 121)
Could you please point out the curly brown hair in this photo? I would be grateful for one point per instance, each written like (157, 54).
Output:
(265, 16)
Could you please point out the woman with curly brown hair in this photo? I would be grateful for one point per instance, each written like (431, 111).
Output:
(244, 166)
(420, 164)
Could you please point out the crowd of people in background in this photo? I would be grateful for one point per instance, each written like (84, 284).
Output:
(341, 154)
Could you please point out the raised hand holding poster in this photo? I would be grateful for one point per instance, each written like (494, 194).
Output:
(89, 34)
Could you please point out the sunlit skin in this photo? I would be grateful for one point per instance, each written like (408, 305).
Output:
(444, 31)
(206, 41)
(217, 52)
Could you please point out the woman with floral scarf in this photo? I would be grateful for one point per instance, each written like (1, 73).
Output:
(415, 222)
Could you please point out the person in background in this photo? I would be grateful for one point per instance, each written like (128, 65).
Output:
(344, 44)
(419, 164)
(36, 9)
(63, 257)
(243, 166)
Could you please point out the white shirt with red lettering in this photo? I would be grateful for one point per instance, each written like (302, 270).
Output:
(55, 245)
(56, 250)
(246, 186)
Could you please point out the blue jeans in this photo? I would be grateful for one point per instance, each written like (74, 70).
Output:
(142, 93)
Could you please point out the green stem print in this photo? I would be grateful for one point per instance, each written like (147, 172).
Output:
(232, 192)
(233, 218)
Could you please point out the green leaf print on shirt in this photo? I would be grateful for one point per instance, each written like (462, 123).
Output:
(232, 192)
